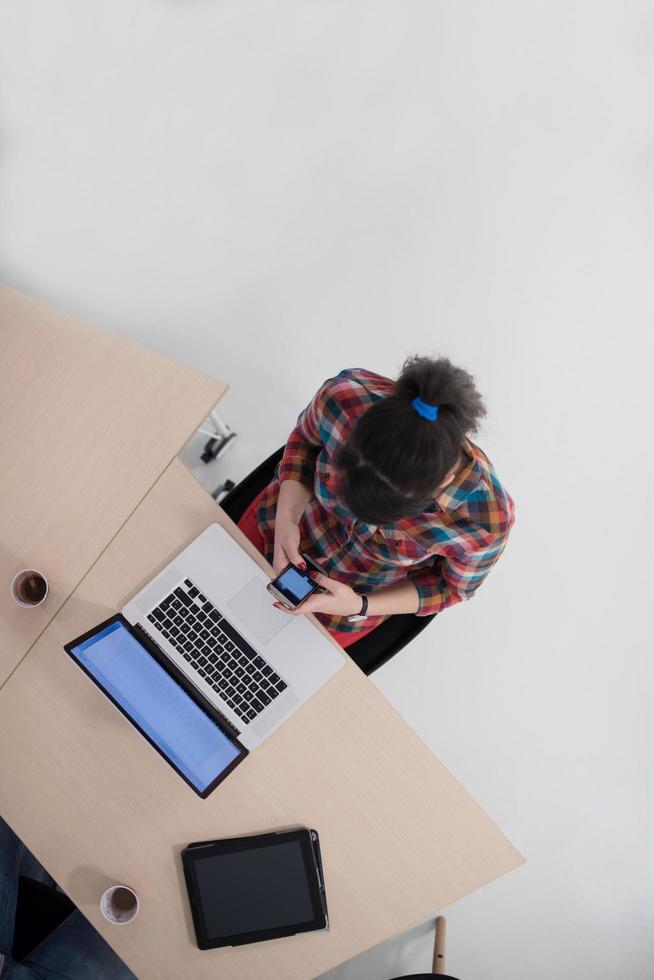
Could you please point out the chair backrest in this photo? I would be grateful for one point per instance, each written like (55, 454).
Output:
(239, 498)
(375, 649)
(371, 651)
(427, 976)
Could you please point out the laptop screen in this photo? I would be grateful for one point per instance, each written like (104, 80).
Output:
(153, 700)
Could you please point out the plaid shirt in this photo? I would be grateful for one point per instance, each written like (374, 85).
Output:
(447, 551)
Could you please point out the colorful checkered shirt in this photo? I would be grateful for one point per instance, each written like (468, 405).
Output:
(446, 551)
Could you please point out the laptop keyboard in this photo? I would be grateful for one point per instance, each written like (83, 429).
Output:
(220, 655)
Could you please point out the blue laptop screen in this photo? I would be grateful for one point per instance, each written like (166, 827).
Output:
(155, 702)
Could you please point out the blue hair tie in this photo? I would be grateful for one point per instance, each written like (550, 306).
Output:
(429, 412)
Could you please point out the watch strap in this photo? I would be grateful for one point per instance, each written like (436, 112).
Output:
(360, 615)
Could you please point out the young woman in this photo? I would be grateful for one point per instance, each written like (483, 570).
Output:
(380, 484)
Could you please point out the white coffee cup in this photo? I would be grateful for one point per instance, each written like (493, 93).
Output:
(29, 588)
(119, 904)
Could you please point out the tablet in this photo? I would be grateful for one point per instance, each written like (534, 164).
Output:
(160, 702)
(247, 889)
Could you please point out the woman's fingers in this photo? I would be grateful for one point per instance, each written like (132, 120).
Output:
(289, 612)
(308, 606)
(287, 545)
(312, 604)
(326, 583)
(294, 556)
(285, 552)
(289, 554)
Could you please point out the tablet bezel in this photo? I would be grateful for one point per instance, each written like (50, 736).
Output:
(310, 848)
(144, 640)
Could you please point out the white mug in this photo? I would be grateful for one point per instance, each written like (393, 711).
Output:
(27, 588)
(119, 904)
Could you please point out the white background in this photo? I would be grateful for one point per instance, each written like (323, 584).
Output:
(274, 191)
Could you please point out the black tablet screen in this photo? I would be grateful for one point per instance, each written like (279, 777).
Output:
(249, 891)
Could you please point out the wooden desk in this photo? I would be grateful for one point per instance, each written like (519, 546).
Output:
(97, 805)
(88, 422)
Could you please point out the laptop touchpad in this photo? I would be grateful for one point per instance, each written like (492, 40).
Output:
(254, 606)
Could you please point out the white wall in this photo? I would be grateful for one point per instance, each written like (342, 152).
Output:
(272, 191)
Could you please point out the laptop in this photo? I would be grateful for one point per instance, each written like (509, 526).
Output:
(211, 617)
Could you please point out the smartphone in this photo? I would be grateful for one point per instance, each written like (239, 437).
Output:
(293, 586)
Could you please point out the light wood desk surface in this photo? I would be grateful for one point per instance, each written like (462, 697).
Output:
(400, 837)
(88, 422)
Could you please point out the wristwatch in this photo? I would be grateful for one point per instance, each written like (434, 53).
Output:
(358, 617)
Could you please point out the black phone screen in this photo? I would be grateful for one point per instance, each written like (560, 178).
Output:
(294, 585)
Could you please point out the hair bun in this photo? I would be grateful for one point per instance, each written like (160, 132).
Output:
(437, 382)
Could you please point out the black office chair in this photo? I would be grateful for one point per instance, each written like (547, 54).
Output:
(371, 651)
(40, 908)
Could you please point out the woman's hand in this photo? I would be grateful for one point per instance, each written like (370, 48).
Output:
(338, 599)
(293, 498)
(287, 544)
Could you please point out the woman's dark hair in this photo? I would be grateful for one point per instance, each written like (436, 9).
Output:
(393, 460)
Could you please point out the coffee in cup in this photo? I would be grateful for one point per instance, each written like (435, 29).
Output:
(29, 588)
(119, 904)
